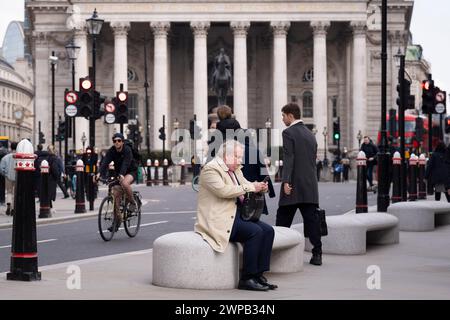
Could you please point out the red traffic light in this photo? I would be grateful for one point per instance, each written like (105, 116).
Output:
(122, 96)
(86, 84)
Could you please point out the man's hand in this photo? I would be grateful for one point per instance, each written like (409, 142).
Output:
(121, 177)
(96, 177)
(287, 189)
(258, 186)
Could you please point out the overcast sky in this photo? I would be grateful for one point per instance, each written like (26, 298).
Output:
(430, 28)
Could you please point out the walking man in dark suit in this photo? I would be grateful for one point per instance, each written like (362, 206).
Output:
(299, 188)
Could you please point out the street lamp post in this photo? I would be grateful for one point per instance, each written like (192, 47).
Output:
(325, 134)
(400, 61)
(53, 62)
(268, 125)
(147, 111)
(383, 156)
(83, 140)
(72, 52)
(94, 26)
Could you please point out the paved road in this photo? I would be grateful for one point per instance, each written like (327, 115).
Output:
(166, 210)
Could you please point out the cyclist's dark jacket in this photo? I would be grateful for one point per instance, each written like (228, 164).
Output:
(123, 161)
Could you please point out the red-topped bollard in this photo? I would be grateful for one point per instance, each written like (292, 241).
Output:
(44, 199)
(183, 172)
(80, 205)
(165, 174)
(24, 257)
(396, 181)
(149, 173)
(412, 178)
(422, 185)
(156, 175)
(361, 184)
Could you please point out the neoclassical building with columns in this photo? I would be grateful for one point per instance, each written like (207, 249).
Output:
(324, 55)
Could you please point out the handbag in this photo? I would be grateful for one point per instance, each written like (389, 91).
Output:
(253, 206)
(322, 223)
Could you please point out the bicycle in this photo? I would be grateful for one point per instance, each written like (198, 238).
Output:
(107, 223)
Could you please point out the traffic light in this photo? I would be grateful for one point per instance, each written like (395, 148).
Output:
(336, 132)
(98, 101)
(41, 137)
(447, 124)
(121, 104)
(404, 100)
(162, 134)
(86, 98)
(419, 129)
(62, 130)
(392, 122)
(110, 111)
(194, 130)
(427, 96)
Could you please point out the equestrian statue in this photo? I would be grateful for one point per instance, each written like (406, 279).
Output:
(221, 77)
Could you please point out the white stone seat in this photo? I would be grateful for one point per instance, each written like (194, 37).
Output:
(185, 260)
(350, 233)
(420, 215)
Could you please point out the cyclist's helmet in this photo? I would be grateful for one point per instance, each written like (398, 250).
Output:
(118, 135)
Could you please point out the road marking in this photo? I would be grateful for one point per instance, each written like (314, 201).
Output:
(41, 241)
(164, 212)
(142, 225)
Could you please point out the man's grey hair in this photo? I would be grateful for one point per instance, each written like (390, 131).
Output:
(228, 148)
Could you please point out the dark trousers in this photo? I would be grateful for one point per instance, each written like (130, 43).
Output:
(2, 189)
(62, 187)
(370, 173)
(311, 223)
(257, 240)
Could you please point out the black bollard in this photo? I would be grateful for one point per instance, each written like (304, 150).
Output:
(412, 178)
(422, 185)
(24, 257)
(396, 181)
(156, 175)
(90, 190)
(165, 175)
(44, 201)
(183, 172)
(80, 206)
(2, 190)
(149, 173)
(361, 186)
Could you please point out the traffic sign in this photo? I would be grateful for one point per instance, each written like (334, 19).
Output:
(440, 96)
(71, 110)
(110, 118)
(439, 108)
(71, 97)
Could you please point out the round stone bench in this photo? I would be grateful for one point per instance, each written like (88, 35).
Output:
(420, 215)
(350, 233)
(185, 260)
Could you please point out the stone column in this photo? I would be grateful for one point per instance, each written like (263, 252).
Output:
(280, 29)
(42, 88)
(359, 93)
(320, 88)
(120, 29)
(200, 30)
(81, 70)
(240, 29)
(160, 80)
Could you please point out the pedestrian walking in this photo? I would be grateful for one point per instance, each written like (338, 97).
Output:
(54, 174)
(7, 169)
(61, 180)
(371, 151)
(319, 167)
(345, 167)
(299, 187)
(437, 171)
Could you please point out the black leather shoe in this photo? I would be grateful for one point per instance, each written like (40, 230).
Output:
(251, 284)
(316, 259)
(263, 280)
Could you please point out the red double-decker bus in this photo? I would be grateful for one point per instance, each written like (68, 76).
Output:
(411, 140)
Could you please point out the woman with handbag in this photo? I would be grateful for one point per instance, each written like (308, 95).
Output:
(219, 220)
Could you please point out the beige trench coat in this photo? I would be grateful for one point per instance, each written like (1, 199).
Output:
(216, 207)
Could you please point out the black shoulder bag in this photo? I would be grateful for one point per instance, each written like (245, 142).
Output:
(253, 206)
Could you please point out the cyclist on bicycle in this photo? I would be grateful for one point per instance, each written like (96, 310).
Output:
(125, 169)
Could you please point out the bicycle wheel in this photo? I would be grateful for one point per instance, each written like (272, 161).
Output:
(106, 221)
(195, 185)
(132, 220)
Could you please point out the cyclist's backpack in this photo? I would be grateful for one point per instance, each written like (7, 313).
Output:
(134, 151)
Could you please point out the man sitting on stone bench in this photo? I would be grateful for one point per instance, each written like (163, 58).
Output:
(222, 187)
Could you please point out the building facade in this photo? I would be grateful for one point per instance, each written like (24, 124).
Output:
(323, 55)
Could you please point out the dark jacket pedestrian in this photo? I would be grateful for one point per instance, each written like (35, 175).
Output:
(371, 151)
(437, 171)
(299, 187)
